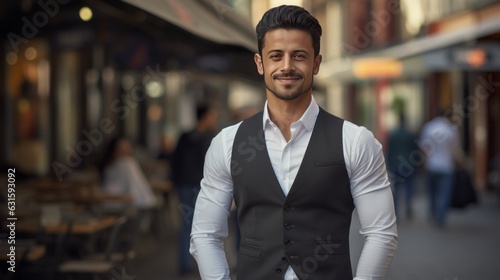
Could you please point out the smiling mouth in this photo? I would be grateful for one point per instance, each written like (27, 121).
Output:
(287, 79)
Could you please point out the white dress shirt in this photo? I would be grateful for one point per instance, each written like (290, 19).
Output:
(439, 140)
(369, 187)
(124, 176)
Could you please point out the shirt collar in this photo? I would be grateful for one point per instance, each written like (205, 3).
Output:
(308, 119)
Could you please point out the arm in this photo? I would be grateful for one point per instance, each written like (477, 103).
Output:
(210, 222)
(372, 196)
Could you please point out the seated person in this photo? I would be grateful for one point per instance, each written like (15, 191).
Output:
(121, 175)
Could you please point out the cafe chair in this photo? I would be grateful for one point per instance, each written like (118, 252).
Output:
(23, 249)
(97, 265)
(46, 265)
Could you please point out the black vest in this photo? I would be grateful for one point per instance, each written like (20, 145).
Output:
(309, 228)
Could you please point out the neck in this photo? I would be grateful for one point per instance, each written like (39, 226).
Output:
(201, 128)
(285, 112)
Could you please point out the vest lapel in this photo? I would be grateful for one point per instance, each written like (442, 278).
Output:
(251, 127)
(307, 155)
(269, 166)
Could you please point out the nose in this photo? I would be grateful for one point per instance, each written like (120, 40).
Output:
(287, 64)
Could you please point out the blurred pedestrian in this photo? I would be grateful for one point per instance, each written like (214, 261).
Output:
(166, 148)
(122, 175)
(439, 140)
(296, 173)
(187, 172)
(402, 144)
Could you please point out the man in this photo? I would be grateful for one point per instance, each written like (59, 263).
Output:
(187, 172)
(296, 174)
(439, 140)
(402, 143)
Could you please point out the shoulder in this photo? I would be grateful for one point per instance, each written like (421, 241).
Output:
(351, 133)
(128, 163)
(360, 145)
(228, 134)
(225, 138)
(218, 156)
(121, 166)
(355, 133)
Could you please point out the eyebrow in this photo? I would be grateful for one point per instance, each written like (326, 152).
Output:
(280, 51)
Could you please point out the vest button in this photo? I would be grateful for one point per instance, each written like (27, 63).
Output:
(288, 242)
(278, 270)
(288, 226)
(283, 259)
(288, 208)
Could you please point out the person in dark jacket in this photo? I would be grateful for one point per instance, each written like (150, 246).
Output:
(402, 146)
(187, 172)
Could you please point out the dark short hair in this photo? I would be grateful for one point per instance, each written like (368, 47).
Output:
(202, 111)
(289, 17)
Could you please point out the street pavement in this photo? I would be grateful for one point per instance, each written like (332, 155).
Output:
(468, 248)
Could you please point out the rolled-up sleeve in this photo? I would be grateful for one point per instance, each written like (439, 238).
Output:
(210, 221)
(372, 196)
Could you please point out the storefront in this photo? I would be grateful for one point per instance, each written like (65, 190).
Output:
(455, 67)
(77, 73)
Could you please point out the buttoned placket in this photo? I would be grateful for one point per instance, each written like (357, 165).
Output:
(286, 151)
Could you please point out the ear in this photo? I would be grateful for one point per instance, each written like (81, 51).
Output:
(317, 62)
(258, 62)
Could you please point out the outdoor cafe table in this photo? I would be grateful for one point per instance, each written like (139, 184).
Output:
(86, 230)
(85, 226)
(26, 248)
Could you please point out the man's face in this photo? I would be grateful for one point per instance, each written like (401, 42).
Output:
(288, 63)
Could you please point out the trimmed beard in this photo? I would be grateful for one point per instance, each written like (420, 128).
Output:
(294, 95)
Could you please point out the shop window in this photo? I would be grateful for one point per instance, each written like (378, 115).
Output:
(28, 128)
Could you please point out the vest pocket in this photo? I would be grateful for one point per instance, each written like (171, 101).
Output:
(249, 251)
(251, 247)
(328, 163)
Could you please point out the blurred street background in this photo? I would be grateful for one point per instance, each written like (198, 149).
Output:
(467, 249)
(77, 74)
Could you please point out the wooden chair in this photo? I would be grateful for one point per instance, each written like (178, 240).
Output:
(96, 265)
(46, 266)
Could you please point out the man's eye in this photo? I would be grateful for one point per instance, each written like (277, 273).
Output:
(275, 56)
(299, 56)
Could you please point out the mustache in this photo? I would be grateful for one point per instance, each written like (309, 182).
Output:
(287, 75)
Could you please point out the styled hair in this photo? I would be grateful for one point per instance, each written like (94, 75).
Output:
(202, 111)
(289, 17)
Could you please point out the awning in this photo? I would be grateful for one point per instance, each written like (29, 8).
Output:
(211, 20)
(411, 54)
